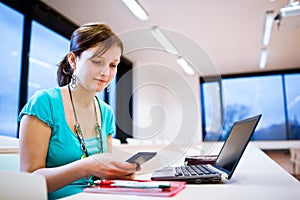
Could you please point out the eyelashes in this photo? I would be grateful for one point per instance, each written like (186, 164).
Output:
(113, 65)
(101, 64)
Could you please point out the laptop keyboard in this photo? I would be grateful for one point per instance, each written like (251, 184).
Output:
(193, 170)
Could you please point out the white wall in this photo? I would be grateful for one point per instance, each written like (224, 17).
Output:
(166, 101)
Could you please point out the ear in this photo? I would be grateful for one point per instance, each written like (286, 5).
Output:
(72, 60)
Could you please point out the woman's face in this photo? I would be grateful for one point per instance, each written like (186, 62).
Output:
(95, 72)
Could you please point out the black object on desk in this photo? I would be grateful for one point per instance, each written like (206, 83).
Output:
(199, 160)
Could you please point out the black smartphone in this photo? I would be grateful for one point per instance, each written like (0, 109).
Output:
(141, 157)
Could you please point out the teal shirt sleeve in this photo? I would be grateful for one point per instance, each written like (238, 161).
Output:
(39, 106)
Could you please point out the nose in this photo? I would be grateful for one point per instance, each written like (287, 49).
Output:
(105, 72)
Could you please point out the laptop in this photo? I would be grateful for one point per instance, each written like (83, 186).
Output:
(226, 161)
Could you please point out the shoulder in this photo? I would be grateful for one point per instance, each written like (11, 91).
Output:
(47, 93)
(45, 96)
(42, 105)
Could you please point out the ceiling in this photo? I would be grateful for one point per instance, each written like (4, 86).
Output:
(229, 32)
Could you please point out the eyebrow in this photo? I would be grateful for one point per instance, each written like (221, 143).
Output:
(103, 58)
(117, 59)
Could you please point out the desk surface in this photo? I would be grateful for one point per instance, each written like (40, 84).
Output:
(256, 177)
(9, 145)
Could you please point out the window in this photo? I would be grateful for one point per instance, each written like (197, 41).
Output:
(47, 49)
(45, 41)
(212, 110)
(293, 105)
(21, 22)
(11, 44)
(276, 97)
(244, 97)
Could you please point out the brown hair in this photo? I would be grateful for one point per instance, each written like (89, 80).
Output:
(83, 38)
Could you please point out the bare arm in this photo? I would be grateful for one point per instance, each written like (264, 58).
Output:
(34, 142)
(109, 144)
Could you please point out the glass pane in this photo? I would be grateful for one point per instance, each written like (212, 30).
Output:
(212, 110)
(245, 97)
(112, 95)
(293, 104)
(11, 26)
(47, 49)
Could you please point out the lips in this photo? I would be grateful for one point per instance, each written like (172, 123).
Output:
(100, 81)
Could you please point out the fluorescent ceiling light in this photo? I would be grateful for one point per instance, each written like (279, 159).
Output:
(158, 34)
(163, 40)
(263, 58)
(290, 11)
(185, 66)
(136, 9)
(269, 19)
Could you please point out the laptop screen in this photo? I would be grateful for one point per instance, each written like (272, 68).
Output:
(235, 144)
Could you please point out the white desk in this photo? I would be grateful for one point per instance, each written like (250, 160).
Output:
(250, 181)
(9, 153)
(9, 145)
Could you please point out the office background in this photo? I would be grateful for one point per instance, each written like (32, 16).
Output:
(220, 40)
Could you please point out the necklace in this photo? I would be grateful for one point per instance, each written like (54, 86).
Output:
(79, 131)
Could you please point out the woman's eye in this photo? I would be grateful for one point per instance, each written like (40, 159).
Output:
(113, 65)
(97, 62)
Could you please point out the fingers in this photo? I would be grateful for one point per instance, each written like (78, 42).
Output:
(129, 176)
(125, 165)
(109, 167)
(109, 161)
(123, 168)
(119, 174)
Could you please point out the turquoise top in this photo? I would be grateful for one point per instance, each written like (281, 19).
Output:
(64, 146)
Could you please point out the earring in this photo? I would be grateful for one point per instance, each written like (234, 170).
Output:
(74, 81)
(108, 88)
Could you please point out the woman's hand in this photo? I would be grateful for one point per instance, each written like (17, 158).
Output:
(106, 166)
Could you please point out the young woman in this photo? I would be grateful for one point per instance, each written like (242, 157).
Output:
(66, 132)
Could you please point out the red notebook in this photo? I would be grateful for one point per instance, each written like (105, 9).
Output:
(174, 188)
